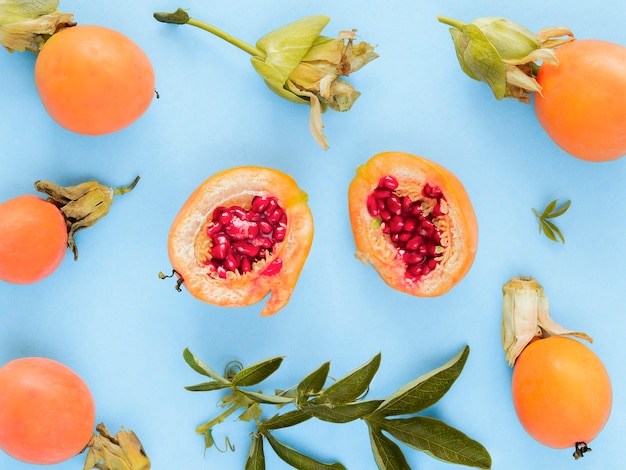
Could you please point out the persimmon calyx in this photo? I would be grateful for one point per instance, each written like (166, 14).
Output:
(505, 54)
(525, 316)
(82, 205)
(123, 451)
(26, 25)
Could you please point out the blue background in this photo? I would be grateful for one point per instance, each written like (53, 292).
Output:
(111, 319)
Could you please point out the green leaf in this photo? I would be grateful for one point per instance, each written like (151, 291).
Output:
(256, 455)
(387, 454)
(267, 399)
(439, 440)
(207, 386)
(560, 211)
(312, 383)
(343, 413)
(202, 368)
(425, 390)
(298, 460)
(350, 387)
(286, 420)
(548, 227)
(258, 372)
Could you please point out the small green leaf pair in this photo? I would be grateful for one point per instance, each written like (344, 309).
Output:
(341, 402)
(546, 225)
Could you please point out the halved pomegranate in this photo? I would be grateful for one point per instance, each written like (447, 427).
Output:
(413, 221)
(244, 233)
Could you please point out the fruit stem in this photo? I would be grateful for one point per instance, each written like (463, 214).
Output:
(205, 428)
(128, 188)
(450, 22)
(581, 449)
(244, 46)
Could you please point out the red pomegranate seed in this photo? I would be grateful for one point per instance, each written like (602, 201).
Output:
(414, 233)
(241, 237)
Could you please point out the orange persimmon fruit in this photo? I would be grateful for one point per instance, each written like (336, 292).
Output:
(413, 221)
(244, 233)
(93, 80)
(34, 239)
(582, 101)
(561, 392)
(47, 412)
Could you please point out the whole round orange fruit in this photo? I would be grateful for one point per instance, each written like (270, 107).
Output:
(93, 80)
(561, 392)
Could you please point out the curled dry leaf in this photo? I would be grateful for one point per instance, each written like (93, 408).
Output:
(526, 315)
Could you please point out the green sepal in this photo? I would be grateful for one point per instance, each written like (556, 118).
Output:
(284, 49)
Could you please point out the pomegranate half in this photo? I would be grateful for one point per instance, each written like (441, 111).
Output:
(244, 233)
(413, 221)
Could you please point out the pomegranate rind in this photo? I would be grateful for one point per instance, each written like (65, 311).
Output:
(238, 186)
(373, 247)
(34, 239)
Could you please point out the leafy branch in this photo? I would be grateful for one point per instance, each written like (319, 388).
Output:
(546, 225)
(388, 420)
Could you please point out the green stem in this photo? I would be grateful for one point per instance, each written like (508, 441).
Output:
(126, 189)
(204, 428)
(244, 46)
(451, 22)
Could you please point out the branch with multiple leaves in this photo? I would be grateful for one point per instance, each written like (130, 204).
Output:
(395, 417)
(548, 227)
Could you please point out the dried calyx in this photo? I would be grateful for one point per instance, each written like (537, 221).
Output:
(526, 316)
(505, 54)
(300, 64)
(26, 25)
(120, 452)
(81, 205)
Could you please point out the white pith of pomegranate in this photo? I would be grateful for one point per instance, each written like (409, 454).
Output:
(413, 224)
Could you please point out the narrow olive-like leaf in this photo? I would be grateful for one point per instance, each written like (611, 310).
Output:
(549, 208)
(207, 386)
(425, 390)
(559, 212)
(312, 383)
(439, 440)
(256, 455)
(350, 387)
(258, 372)
(200, 367)
(387, 454)
(264, 398)
(554, 229)
(343, 413)
(285, 420)
(298, 460)
(547, 231)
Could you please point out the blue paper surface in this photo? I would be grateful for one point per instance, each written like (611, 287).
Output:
(123, 330)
